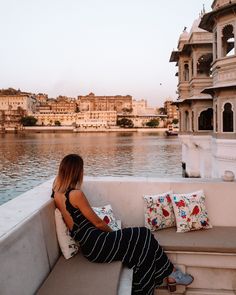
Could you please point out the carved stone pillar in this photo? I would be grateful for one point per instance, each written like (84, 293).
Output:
(219, 42)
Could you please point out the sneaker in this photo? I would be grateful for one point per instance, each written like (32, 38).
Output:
(180, 278)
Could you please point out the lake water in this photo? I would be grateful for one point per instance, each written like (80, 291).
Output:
(27, 160)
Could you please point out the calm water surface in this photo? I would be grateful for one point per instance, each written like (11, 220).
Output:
(30, 159)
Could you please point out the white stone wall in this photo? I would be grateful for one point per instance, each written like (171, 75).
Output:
(12, 102)
(197, 155)
(224, 156)
(29, 248)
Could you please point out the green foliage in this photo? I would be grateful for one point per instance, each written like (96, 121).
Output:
(9, 91)
(175, 121)
(153, 123)
(125, 123)
(57, 123)
(162, 111)
(127, 110)
(28, 121)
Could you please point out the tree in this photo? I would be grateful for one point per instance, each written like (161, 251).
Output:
(153, 123)
(125, 123)
(162, 111)
(28, 121)
(175, 121)
(57, 123)
(127, 110)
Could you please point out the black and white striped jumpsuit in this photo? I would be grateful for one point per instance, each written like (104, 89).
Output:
(136, 247)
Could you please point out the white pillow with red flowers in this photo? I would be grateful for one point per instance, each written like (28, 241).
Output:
(69, 247)
(106, 214)
(190, 211)
(158, 211)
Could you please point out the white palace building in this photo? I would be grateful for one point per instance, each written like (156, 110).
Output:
(206, 61)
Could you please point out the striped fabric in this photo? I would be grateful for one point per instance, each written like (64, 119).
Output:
(136, 247)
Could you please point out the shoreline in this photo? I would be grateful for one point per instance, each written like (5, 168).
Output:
(71, 129)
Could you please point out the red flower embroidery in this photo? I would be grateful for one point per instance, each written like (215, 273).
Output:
(106, 219)
(168, 199)
(180, 203)
(195, 211)
(165, 212)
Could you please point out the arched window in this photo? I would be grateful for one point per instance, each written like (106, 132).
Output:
(228, 118)
(205, 120)
(216, 119)
(186, 123)
(228, 41)
(204, 65)
(193, 121)
(186, 72)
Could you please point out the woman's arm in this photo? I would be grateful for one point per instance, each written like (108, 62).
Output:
(78, 200)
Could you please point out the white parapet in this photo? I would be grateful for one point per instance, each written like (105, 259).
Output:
(224, 156)
(28, 242)
(197, 155)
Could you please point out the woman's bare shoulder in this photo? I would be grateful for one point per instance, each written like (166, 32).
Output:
(76, 196)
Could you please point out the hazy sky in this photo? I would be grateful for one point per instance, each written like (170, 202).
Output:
(73, 47)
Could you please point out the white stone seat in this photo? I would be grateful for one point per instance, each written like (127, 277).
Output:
(79, 276)
(219, 239)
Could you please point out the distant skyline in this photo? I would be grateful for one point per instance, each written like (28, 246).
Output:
(108, 47)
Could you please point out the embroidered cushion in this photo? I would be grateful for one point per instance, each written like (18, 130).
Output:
(106, 214)
(68, 246)
(158, 211)
(190, 211)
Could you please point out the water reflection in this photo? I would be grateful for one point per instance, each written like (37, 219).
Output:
(29, 159)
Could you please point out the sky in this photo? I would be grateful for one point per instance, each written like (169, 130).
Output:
(108, 47)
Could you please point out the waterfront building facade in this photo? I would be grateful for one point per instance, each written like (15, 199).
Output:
(171, 110)
(139, 106)
(221, 22)
(206, 63)
(117, 103)
(14, 106)
(63, 105)
(140, 120)
(41, 97)
(12, 102)
(79, 119)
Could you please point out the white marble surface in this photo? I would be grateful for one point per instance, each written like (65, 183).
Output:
(125, 281)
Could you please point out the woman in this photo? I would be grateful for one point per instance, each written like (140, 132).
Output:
(136, 247)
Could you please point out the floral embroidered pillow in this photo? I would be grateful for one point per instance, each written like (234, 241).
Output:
(106, 214)
(190, 211)
(68, 245)
(158, 211)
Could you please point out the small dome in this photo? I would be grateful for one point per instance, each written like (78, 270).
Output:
(195, 27)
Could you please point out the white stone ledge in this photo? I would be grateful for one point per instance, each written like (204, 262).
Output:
(17, 210)
(27, 230)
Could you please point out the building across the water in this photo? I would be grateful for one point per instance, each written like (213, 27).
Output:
(15, 104)
(80, 119)
(171, 110)
(206, 60)
(117, 103)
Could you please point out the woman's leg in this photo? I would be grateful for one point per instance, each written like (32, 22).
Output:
(148, 260)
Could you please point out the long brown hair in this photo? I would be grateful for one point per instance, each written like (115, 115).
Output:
(70, 173)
